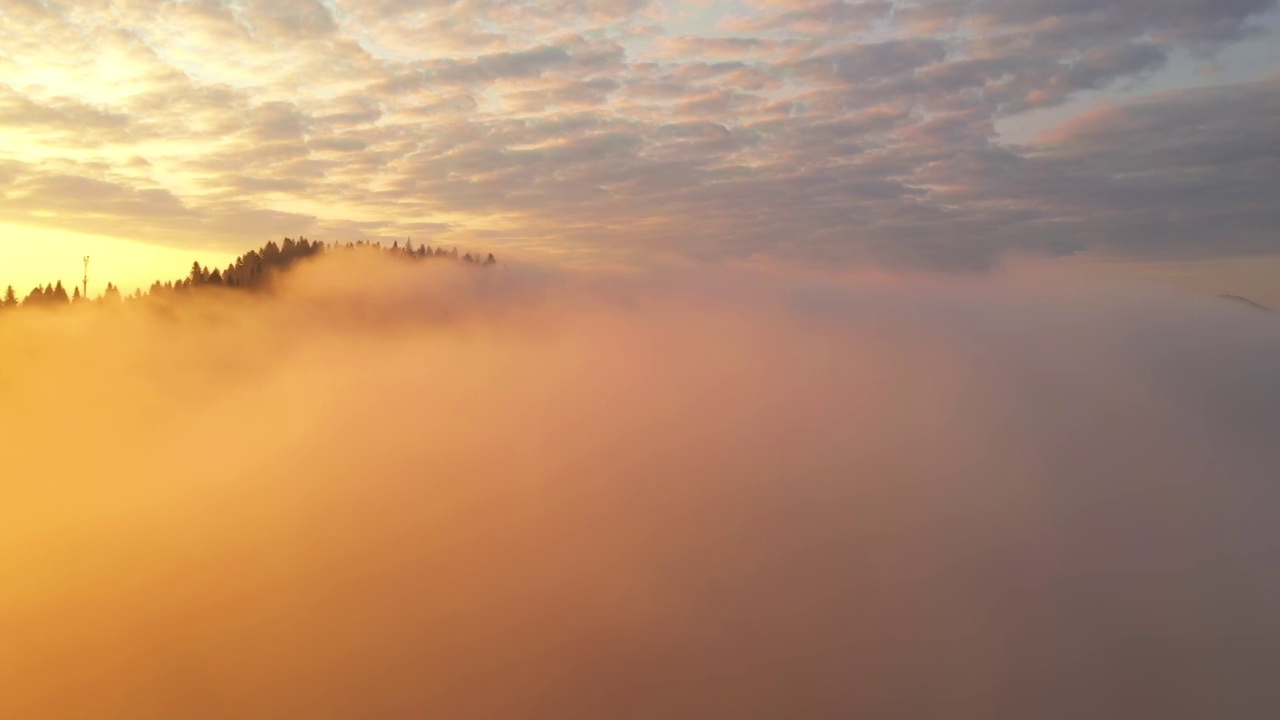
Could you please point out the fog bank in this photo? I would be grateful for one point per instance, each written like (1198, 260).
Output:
(395, 491)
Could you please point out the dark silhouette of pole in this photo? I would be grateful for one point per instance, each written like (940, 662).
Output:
(84, 292)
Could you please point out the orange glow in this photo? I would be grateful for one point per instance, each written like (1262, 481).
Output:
(393, 490)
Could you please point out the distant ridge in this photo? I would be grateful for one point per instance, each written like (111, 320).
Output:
(1246, 301)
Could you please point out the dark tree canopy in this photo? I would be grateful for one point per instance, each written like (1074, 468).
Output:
(253, 270)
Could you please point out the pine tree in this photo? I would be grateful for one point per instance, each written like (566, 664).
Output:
(271, 253)
(10, 298)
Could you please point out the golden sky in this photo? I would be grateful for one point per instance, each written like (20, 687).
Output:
(33, 256)
(923, 134)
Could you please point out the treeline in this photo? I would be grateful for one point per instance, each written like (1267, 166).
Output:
(250, 271)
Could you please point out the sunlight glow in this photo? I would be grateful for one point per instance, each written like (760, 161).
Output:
(31, 256)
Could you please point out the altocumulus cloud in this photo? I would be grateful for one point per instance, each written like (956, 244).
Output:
(848, 130)
(397, 491)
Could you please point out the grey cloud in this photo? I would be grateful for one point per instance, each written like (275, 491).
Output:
(338, 144)
(1182, 20)
(823, 17)
(277, 121)
(263, 185)
(289, 19)
(85, 197)
(724, 105)
(1181, 175)
(351, 110)
(561, 11)
(797, 134)
(521, 64)
(571, 55)
(682, 47)
(858, 62)
(585, 93)
(1099, 67)
(449, 105)
(75, 121)
(494, 12)
(694, 130)
(233, 218)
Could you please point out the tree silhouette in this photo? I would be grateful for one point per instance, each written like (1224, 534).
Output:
(252, 271)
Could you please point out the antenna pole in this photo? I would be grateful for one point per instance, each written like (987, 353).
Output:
(85, 287)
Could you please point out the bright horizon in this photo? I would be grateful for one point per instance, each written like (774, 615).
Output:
(31, 256)
(38, 256)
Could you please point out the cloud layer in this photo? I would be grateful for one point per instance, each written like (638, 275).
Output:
(407, 491)
(796, 128)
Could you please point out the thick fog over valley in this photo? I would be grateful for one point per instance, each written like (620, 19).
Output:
(389, 489)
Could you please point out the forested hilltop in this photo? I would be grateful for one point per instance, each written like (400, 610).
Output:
(250, 271)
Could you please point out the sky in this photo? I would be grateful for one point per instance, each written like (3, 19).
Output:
(919, 135)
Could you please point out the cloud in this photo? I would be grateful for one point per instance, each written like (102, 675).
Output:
(74, 122)
(73, 195)
(297, 19)
(1173, 166)
(1181, 20)
(854, 131)
(587, 93)
(394, 490)
(824, 17)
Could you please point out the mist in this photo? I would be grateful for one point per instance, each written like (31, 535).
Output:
(387, 490)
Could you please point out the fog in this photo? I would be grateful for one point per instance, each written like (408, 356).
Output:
(394, 490)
